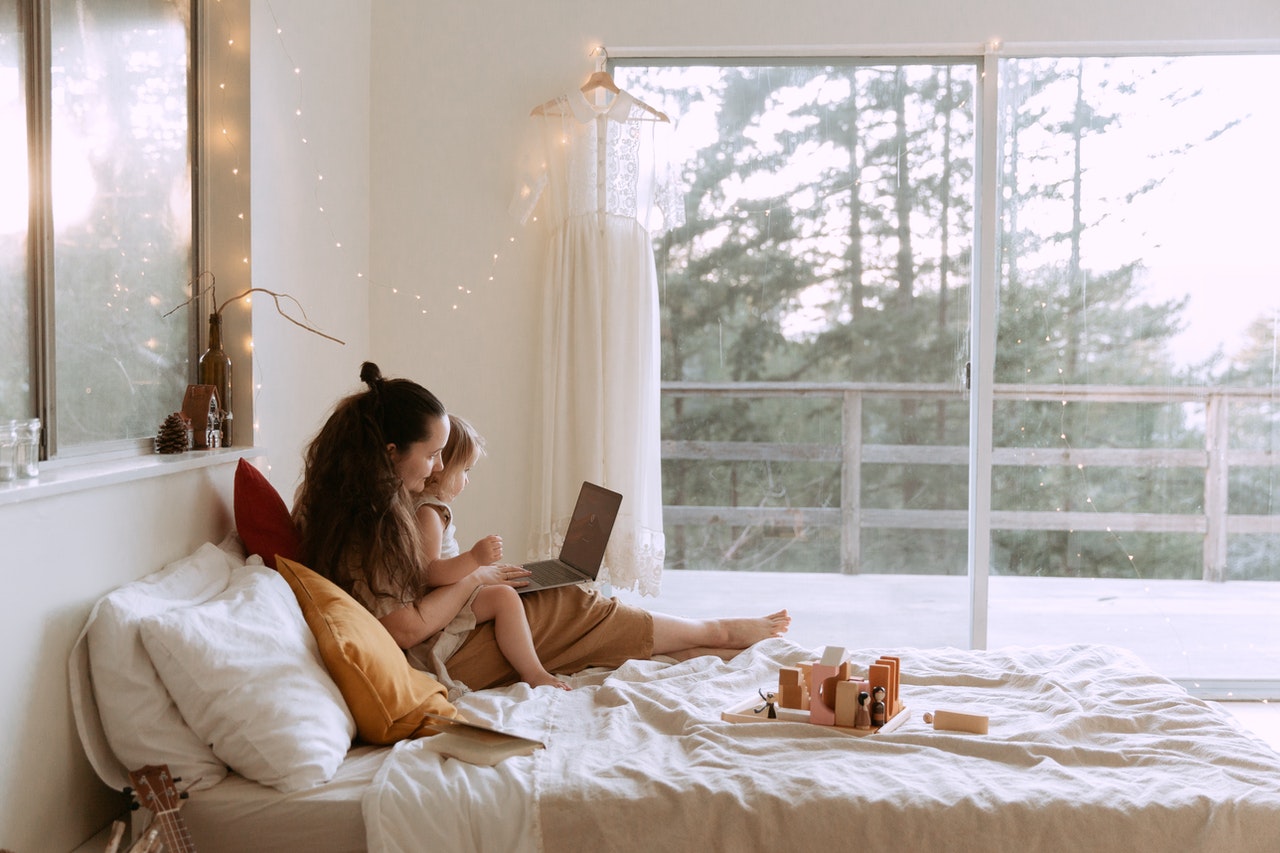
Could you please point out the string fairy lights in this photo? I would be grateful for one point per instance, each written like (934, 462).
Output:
(224, 131)
(300, 114)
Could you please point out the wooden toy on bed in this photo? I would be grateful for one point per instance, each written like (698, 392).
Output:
(822, 683)
(826, 692)
(956, 721)
(878, 706)
(862, 720)
(791, 690)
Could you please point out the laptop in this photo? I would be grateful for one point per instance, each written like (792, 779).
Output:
(584, 542)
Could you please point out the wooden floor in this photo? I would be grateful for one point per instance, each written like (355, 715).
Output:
(1192, 631)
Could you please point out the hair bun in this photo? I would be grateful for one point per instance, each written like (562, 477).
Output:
(370, 374)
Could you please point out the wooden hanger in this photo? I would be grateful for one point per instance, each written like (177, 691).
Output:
(600, 79)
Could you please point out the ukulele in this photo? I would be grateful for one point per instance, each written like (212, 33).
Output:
(153, 789)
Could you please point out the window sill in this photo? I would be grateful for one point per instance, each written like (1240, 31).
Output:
(65, 478)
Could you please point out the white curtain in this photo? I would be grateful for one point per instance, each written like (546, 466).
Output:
(600, 191)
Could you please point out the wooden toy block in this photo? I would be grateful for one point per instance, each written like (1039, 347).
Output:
(956, 721)
(822, 703)
(790, 687)
(893, 700)
(881, 675)
(806, 679)
(884, 661)
(832, 656)
(846, 703)
(845, 671)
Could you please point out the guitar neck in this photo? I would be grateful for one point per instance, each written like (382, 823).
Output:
(174, 832)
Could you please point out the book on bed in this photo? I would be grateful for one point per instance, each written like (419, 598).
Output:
(476, 744)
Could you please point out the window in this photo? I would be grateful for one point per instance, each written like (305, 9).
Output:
(816, 325)
(1136, 371)
(827, 253)
(96, 233)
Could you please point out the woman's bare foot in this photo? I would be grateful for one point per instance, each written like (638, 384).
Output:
(673, 635)
(546, 679)
(740, 633)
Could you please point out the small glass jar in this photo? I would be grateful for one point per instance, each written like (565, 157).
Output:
(8, 450)
(27, 457)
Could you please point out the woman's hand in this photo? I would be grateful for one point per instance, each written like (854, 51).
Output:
(488, 550)
(502, 576)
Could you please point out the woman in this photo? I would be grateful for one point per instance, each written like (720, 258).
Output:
(355, 512)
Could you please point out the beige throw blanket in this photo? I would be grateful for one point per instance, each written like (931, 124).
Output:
(1087, 750)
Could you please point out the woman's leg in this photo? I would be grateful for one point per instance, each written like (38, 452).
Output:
(680, 637)
(572, 629)
(502, 606)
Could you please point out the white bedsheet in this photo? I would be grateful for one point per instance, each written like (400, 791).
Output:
(1087, 750)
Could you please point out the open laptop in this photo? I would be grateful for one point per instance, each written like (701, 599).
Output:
(584, 542)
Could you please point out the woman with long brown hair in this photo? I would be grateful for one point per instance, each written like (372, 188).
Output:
(355, 514)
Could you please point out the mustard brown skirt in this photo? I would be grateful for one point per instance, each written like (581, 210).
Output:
(572, 629)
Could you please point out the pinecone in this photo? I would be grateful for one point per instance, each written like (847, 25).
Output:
(173, 433)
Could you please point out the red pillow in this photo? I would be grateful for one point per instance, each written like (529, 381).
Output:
(262, 518)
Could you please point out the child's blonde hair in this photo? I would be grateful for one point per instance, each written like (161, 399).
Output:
(463, 449)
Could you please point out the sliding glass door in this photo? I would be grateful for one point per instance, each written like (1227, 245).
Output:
(1117, 215)
(1135, 466)
(815, 311)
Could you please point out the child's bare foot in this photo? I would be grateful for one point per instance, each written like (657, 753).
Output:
(743, 632)
(546, 679)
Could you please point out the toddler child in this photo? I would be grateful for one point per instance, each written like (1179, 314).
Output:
(447, 564)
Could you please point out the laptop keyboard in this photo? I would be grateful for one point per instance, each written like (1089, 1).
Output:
(550, 572)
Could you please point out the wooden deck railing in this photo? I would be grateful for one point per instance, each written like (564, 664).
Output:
(1215, 460)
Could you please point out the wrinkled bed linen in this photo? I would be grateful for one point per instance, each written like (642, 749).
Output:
(1087, 749)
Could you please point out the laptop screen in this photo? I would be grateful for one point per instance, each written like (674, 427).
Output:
(589, 529)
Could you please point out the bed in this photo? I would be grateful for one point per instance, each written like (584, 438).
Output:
(1087, 748)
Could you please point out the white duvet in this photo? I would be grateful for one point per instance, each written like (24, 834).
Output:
(1088, 750)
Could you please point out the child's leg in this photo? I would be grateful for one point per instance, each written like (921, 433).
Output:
(511, 629)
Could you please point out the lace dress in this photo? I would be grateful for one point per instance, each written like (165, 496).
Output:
(601, 190)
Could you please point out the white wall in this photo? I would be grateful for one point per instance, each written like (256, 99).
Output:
(452, 86)
(298, 376)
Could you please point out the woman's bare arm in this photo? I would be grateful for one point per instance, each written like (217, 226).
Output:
(414, 623)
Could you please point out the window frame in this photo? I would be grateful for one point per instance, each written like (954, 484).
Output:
(36, 29)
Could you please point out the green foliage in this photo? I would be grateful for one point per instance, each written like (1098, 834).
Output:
(829, 238)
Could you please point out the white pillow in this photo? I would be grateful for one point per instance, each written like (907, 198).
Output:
(245, 671)
(140, 722)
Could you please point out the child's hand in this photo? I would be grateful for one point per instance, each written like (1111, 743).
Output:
(488, 550)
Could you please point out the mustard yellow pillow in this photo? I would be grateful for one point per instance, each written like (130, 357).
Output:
(388, 698)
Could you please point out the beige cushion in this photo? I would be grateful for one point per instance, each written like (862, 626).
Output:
(387, 697)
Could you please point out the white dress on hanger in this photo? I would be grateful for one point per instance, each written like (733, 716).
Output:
(601, 191)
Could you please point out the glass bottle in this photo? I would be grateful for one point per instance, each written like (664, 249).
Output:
(27, 455)
(215, 370)
(8, 450)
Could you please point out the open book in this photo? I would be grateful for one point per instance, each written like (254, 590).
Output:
(476, 744)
